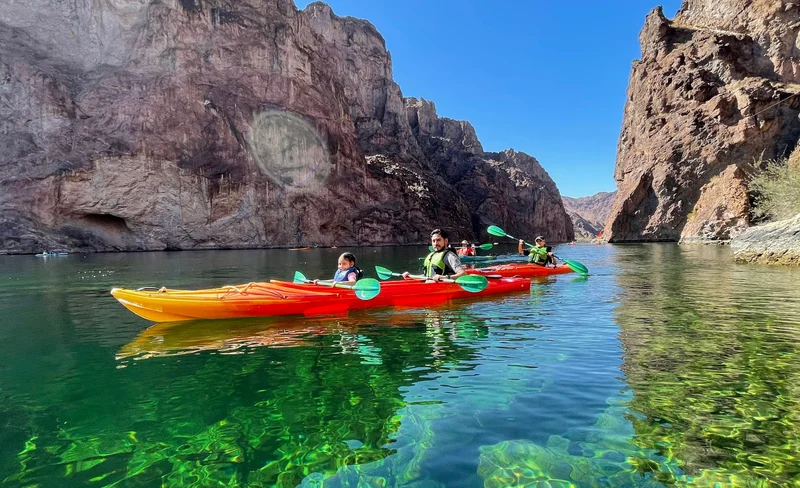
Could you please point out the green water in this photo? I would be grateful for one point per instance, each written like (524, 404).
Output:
(668, 366)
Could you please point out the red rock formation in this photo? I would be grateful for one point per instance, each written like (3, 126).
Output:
(185, 124)
(715, 91)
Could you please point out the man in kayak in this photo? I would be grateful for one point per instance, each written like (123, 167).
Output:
(442, 262)
(539, 254)
(466, 249)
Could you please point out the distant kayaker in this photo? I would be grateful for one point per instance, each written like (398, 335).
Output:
(442, 262)
(466, 249)
(346, 272)
(539, 254)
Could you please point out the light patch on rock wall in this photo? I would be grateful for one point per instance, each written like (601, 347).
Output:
(290, 152)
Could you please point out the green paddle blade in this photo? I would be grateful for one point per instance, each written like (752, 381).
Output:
(473, 283)
(486, 246)
(383, 273)
(576, 267)
(496, 231)
(300, 277)
(367, 288)
(431, 249)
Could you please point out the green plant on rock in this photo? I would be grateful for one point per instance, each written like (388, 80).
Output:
(776, 191)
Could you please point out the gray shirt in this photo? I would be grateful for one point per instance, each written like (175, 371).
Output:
(451, 259)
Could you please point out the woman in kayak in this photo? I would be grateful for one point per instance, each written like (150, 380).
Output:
(539, 254)
(442, 262)
(466, 249)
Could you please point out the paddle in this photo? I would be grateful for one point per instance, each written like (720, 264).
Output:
(483, 247)
(365, 289)
(471, 283)
(573, 265)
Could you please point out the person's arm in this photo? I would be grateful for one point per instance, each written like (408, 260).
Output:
(454, 263)
(352, 277)
(522, 251)
(552, 256)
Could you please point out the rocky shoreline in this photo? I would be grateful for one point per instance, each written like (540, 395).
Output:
(773, 243)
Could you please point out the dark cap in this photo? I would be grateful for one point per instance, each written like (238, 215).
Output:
(539, 238)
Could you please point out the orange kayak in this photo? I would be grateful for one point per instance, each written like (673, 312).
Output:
(282, 298)
(525, 270)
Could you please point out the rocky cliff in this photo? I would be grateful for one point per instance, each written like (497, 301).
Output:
(185, 124)
(589, 214)
(716, 90)
(509, 188)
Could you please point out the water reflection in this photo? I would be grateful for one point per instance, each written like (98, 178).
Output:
(304, 397)
(668, 366)
(711, 355)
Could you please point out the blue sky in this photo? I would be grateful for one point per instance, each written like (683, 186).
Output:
(546, 78)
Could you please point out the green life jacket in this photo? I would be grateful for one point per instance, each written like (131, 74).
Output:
(538, 255)
(435, 264)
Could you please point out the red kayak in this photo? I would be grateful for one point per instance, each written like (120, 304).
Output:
(525, 270)
(405, 293)
(283, 298)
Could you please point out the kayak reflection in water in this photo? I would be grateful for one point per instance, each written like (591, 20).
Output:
(442, 262)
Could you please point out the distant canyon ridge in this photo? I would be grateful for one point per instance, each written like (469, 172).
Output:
(196, 124)
(589, 214)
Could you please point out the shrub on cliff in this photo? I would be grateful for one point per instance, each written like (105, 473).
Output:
(776, 191)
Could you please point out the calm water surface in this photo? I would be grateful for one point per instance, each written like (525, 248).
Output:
(668, 366)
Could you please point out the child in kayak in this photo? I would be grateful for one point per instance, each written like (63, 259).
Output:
(346, 272)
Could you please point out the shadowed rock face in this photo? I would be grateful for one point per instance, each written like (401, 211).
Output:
(715, 91)
(185, 124)
(509, 188)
